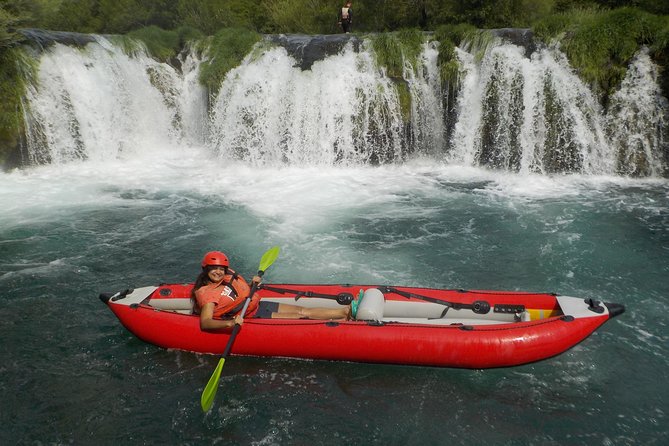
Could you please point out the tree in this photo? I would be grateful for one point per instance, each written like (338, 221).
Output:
(212, 15)
(121, 16)
(73, 15)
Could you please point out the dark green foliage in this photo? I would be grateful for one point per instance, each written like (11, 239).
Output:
(74, 15)
(211, 15)
(660, 52)
(552, 26)
(294, 16)
(302, 16)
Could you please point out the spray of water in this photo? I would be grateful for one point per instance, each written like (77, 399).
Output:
(342, 111)
(637, 121)
(527, 113)
(99, 103)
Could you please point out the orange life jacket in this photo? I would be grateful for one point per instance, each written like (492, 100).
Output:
(229, 295)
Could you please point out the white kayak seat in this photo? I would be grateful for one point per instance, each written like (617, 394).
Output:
(182, 305)
(370, 307)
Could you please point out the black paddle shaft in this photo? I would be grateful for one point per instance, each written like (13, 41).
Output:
(238, 327)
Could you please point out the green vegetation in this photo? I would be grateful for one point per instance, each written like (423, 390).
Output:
(161, 44)
(450, 37)
(392, 49)
(224, 51)
(300, 16)
(601, 43)
(292, 16)
(8, 24)
(15, 68)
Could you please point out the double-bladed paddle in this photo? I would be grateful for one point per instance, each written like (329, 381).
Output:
(209, 392)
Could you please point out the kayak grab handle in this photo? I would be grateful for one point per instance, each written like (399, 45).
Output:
(614, 309)
(106, 297)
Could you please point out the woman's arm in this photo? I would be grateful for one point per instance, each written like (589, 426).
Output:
(208, 323)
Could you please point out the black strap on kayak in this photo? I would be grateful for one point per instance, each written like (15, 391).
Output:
(341, 298)
(478, 307)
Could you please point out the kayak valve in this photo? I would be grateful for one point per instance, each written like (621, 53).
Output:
(481, 307)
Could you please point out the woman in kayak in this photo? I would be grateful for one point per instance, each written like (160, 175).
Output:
(220, 292)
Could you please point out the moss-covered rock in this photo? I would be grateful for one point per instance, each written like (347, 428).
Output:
(162, 45)
(393, 49)
(601, 43)
(224, 51)
(15, 68)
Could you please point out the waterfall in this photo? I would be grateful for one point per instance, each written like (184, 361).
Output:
(527, 114)
(342, 110)
(99, 103)
(514, 108)
(637, 121)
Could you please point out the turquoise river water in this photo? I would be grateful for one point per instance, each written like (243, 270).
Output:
(71, 374)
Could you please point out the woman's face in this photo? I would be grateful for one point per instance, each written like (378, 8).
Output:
(216, 273)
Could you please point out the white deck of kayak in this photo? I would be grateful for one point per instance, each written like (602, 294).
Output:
(409, 312)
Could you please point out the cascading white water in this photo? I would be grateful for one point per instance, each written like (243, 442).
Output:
(342, 110)
(512, 110)
(427, 112)
(192, 101)
(99, 103)
(518, 112)
(637, 120)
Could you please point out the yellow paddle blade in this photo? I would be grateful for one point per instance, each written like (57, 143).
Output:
(268, 258)
(209, 392)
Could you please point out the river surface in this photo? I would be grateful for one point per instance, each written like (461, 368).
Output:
(71, 374)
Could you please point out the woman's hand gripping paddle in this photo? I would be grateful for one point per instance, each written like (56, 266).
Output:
(209, 392)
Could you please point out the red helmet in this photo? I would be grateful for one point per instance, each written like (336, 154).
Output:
(215, 258)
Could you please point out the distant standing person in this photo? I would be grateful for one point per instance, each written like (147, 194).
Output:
(346, 17)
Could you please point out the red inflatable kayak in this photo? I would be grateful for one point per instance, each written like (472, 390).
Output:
(395, 325)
